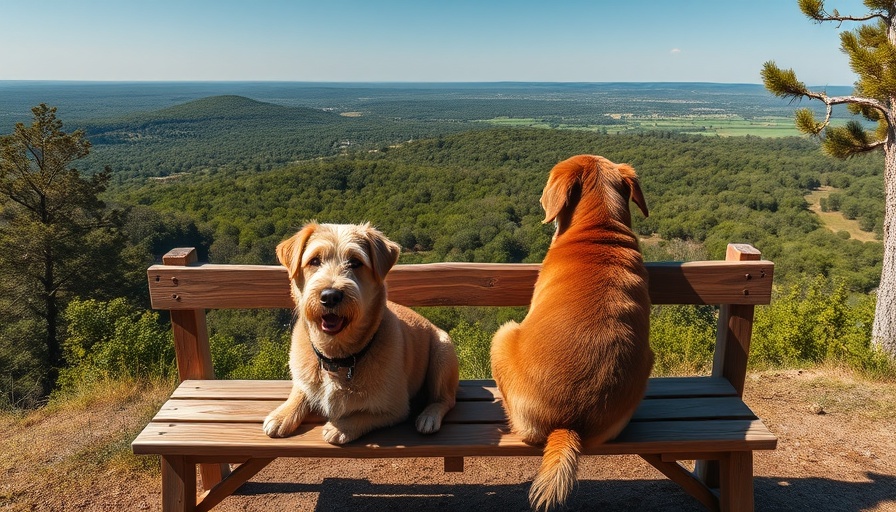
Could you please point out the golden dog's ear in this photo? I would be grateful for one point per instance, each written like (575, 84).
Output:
(289, 251)
(634, 186)
(556, 195)
(383, 252)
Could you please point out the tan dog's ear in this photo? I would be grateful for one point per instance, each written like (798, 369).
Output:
(289, 251)
(383, 252)
(556, 194)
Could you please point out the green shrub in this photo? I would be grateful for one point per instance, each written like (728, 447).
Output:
(270, 361)
(473, 345)
(682, 338)
(818, 321)
(113, 339)
(228, 355)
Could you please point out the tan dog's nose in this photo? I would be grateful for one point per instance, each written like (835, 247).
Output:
(330, 297)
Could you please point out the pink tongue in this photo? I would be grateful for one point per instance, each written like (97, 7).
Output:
(331, 324)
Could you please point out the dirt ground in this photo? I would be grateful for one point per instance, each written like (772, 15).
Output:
(836, 452)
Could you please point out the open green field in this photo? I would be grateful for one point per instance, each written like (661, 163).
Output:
(723, 126)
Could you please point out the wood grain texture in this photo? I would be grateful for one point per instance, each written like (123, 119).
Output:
(241, 440)
(209, 286)
(209, 422)
(199, 420)
(254, 411)
(483, 389)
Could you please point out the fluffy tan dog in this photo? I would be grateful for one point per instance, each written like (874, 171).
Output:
(577, 366)
(356, 358)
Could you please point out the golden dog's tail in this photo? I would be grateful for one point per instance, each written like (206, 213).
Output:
(557, 476)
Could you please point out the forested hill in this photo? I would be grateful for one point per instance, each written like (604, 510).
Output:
(229, 132)
(474, 196)
(239, 108)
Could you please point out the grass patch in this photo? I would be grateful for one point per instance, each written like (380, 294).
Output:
(710, 125)
(835, 221)
(79, 442)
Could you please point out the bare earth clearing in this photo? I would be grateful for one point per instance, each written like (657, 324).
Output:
(836, 221)
(836, 452)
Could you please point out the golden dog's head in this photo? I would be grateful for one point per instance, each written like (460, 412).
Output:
(337, 274)
(592, 188)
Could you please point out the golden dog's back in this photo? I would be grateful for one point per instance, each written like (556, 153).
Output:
(583, 349)
(577, 366)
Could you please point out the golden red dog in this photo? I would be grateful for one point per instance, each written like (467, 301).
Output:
(577, 366)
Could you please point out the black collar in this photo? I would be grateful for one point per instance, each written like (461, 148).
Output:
(334, 364)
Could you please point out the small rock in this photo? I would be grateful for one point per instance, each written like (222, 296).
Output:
(817, 409)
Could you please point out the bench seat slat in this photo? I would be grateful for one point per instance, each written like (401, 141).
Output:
(657, 387)
(478, 411)
(241, 440)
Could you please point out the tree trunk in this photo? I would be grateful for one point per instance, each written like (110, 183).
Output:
(883, 332)
(54, 349)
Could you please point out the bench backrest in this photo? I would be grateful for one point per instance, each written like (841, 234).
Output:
(188, 288)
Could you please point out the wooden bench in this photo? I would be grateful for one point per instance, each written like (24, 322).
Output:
(213, 424)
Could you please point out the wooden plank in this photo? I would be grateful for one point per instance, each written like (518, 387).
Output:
(279, 389)
(210, 286)
(224, 389)
(254, 411)
(657, 387)
(670, 387)
(241, 440)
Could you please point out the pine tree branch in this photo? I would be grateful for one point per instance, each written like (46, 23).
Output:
(815, 10)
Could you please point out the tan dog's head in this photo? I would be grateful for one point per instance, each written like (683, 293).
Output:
(591, 187)
(337, 274)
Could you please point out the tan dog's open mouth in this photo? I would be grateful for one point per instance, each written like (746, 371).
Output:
(332, 324)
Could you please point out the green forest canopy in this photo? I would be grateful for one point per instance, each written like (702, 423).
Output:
(473, 196)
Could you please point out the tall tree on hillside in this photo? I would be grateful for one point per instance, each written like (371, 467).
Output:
(871, 49)
(57, 239)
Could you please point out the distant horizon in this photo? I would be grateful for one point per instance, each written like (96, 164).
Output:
(390, 82)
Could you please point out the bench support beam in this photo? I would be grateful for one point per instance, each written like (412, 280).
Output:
(232, 482)
(194, 357)
(733, 336)
(687, 480)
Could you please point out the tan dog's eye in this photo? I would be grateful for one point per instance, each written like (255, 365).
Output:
(354, 263)
(314, 262)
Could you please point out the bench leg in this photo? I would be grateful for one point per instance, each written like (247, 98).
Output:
(212, 474)
(736, 481)
(454, 464)
(178, 484)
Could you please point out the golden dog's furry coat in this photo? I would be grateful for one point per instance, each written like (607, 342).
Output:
(577, 366)
(356, 358)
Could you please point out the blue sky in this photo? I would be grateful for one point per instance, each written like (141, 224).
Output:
(722, 41)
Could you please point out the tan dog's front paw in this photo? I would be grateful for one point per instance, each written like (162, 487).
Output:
(333, 435)
(428, 423)
(430, 420)
(282, 422)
